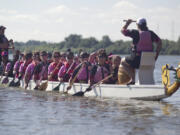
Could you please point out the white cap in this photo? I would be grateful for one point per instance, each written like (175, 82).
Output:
(141, 21)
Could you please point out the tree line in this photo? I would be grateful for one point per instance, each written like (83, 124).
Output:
(76, 42)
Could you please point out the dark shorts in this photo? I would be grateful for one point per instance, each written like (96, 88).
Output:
(133, 60)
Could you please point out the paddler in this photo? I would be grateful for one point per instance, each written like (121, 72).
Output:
(143, 40)
(23, 66)
(9, 67)
(83, 69)
(32, 70)
(5, 44)
(65, 72)
(100, 70)
(54, 67)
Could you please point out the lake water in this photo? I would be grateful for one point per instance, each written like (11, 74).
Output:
(41, 113)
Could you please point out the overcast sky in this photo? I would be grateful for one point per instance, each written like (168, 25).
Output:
(52, 20)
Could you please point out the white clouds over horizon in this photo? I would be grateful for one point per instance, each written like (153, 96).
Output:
(60, 20)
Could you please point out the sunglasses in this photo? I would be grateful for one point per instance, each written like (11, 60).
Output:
(101, 56)
(43, 55)
(56, 56)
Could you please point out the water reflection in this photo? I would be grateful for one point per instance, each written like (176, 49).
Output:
(27, 112)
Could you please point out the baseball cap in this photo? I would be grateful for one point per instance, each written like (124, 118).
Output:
(2, 27)
(141, 21)
(84, 55)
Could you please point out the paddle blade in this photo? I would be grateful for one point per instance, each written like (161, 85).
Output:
(43, 86)
(80, 93)
(17, 84)
(57, 88)
(5, 80)
(12, 83)
(36, 88)
(68, 88)
(89, 89)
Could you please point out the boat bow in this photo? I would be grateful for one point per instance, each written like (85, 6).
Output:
(170, 88)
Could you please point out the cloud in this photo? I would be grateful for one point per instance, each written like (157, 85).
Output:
(58, 10)
(5, 11)
(124, 5)
(25, 18)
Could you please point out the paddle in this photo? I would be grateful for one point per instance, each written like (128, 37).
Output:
(73, 80)
(37, 87)
(12, 83)
(17, 84)
(44, 85)
(57, 87)
(81, 93)
(29, 77)
(127, 20)
(3, 70)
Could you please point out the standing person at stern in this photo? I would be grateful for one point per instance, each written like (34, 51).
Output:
(4, 42)
(143, 40)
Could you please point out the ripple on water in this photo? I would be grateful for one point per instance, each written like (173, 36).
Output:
(26, 112)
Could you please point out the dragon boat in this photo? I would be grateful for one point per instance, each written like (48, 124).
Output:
(137, 91)
(144, 89)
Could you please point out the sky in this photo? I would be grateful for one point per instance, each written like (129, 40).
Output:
(53, 20)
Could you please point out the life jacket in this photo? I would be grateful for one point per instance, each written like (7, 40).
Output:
(69, 69)
(16, 68)
(55, 71)
(100, 72)
(44, 72)
(23, 66)
(32, 67)
(145, 42)
(84, 73)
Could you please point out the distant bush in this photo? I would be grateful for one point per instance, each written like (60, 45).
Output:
(76, 42)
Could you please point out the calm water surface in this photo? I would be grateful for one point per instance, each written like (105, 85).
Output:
(41, 113)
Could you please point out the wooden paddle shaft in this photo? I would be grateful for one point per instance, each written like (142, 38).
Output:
(127, 20)
(109, 76)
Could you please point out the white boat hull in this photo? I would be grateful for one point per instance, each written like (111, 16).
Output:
(144, 92)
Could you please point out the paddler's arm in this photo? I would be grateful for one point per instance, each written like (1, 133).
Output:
(7, 70)
(124, 28)
(76, 70)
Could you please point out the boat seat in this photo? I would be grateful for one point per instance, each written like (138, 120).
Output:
(145, 72)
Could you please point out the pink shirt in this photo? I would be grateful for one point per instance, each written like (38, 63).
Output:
(65, 68)
(51, 69)
(8, 67)
(30, 70)
(16, 67)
